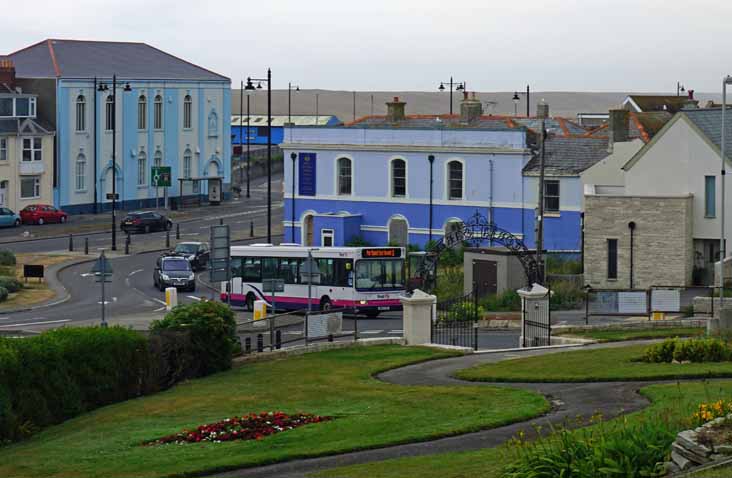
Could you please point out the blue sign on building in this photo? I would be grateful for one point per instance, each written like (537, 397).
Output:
(306, 183)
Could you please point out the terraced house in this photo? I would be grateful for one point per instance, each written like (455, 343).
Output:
(165, 112)
(405, 179)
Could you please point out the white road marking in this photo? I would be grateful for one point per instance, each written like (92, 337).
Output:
(371, 332)
(4, 318)
(159, 301)
(87, 274)
(395, 332)
(37, 323)
(191, 234)
(193, 297)
(135, 272)
(294, 332)
(160, 309)
(105, 302)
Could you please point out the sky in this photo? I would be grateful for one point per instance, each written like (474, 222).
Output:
(379, 45)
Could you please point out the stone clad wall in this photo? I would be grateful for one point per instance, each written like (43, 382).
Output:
(663, 246)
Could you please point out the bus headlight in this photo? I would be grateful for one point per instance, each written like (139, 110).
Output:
(363, 302)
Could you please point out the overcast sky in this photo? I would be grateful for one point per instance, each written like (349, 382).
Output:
(565, 45)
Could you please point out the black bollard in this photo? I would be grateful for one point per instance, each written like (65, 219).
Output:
(221, 221)
(278, 339)
(86, 246)
(330, 337)
(251, 228)
(167, 239)
(127, 245)
(71, 243)
(177, 231)
(248, 345)
(260, 343)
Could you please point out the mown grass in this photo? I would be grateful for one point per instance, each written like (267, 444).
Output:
(339, 383)
(591, 365)
(619, 335)
(674, 399)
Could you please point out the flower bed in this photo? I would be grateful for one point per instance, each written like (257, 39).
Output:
(248, 427)
(709, 442)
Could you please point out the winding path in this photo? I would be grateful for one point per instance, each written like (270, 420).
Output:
(569, 400)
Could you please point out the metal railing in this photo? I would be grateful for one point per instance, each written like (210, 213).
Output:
(456, 322)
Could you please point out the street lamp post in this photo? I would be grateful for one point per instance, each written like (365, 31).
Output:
(250, 86)
(241, 131)
(248, 151)
(431, 159)
(104, 87)
(516, 100)
(727, 80)
(456, 86)
(293, 156)
(540, 228)
(290, 86)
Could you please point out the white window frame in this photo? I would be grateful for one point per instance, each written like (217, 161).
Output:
(329, 233)
(80, 176)
(187, 112)
(36, 187)
(142, 169)
(80, 113)
(109, 118)
(142, 112)
(396, 217)
(32, 107)
(558, 196)
(447, 180)
(158, 113)
(391, 178)
(338, 175)
(187, 163)
(3, 149)
(158, 158)
(33, 149)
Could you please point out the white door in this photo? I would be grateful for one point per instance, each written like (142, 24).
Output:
(3, 194)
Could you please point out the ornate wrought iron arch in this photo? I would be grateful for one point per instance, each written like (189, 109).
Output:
(474, 231)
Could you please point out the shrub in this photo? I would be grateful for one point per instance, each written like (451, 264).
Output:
(61, 373)
(10, 283)
(706, 412)
(7, 258)
(562, 265)
(691, 350)
(508, 300)
(449, 283)
(464, 310)
(566, 295)
(212, 330)
(3, 294)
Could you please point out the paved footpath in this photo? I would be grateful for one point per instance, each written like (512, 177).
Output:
(569, 401)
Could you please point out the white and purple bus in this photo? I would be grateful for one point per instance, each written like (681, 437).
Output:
(370, 279)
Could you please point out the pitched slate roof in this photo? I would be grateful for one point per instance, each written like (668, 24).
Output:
(568, 156)
(658, 102)
(709, 122)
(14, 126)
(640, 125)
(56, 58)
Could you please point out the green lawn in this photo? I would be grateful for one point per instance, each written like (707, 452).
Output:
(719, 472)
(617, 335)
(591, 365)
(369, 413)
(674, 399)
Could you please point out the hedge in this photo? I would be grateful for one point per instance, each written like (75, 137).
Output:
(10, 283)
(7, 258)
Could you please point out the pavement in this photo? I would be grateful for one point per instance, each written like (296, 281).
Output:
(569, 401)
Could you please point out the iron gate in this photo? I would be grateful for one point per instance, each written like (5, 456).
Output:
(537, 322)
(456, 322)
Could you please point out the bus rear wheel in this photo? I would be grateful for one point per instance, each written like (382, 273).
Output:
(372, 313)
(325, 304)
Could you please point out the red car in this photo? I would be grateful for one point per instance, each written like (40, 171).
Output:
(42, 214)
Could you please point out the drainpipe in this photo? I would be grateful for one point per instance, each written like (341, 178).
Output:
(582, 241)
(431, 159)
(631, 226)
(490, 198)
(96, 202)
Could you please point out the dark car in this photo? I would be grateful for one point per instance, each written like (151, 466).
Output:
(42, 214)
(173, 270)
(196, 253)
(145, 221)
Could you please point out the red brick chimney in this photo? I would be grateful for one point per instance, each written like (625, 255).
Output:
(7, 73)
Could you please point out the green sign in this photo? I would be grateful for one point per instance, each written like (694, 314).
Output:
(161, 177)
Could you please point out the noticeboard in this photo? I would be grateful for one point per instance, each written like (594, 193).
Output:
(307, 174)
(220, 255)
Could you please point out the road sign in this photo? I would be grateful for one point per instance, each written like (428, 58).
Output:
(102, 266)
(220, 255)
(114, 196)
(161, 176)
(273, 285)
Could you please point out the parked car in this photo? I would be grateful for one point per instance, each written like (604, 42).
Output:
(196, 252)
(42, 214)
(145, 221)
(173, 270)
(8, 218)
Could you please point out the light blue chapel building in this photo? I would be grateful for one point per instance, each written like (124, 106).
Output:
(169, 112)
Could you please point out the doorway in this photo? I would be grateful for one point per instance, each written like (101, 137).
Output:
(326, 237)
(485, 277)
(3, 194)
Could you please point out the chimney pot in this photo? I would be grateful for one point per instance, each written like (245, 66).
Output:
(471, 109)
(617, 127)
(395, 110)
(542, 110)
(691, 94)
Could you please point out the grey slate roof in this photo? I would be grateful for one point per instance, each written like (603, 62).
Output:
(431, 122)
(568, 156)
(709, 121)
(86, 59)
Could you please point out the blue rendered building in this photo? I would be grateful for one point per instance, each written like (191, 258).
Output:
(370, 180)
(258, 128)
(174, 113)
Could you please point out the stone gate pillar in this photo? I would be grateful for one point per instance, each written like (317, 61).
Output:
(417, 321)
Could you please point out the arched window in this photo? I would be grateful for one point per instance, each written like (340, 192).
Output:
(158, 113)
(109, 113)
(142, 112)
(158, 158)
(80, 113)
(455, 180)
(344, 176)
(213, 124)
(187, 111)
(141, 169)
(398, 178)
(81, 172)
(398, 231)
(187, 163)
(452, 225)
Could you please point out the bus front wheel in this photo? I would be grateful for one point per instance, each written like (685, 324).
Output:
(325, 304)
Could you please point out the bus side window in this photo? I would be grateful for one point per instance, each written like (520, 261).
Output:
(236, 267)
(269, 267)
(252, 269)
(343, 273)
(288, 270)
(327, 269)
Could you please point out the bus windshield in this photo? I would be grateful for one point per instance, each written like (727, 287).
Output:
(385, 274)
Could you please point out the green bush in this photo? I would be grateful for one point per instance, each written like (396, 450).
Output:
(449, 283)
(566, 295)
(464, 310)
(691, 350)
(506, 301)
(3, 294)
(212, 330)
(61, 373)
(562, 265)
(10, 283)
(7, 258)
(605, 450)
